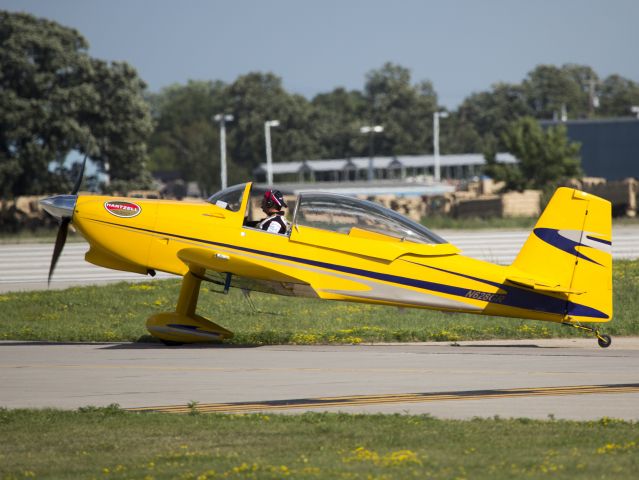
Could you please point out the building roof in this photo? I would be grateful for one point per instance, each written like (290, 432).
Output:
(325, 165)
(281, 167)
(397, 188)
(401, 161)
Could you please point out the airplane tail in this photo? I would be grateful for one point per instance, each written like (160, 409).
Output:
(569, 253)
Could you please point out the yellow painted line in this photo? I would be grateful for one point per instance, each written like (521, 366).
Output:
(260, 407)
(361, 400)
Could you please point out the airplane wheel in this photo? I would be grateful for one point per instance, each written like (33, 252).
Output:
(604, 341)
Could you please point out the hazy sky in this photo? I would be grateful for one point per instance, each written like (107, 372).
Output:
(462, 46)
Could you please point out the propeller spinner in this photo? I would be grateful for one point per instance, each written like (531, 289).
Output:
(62, 207)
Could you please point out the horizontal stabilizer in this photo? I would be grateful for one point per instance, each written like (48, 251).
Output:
(542, 286)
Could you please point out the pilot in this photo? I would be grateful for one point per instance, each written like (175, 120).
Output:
(273, 205)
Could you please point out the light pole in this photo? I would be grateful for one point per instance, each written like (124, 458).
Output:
(371, 130)
(436, 117)
(222, 118)
(269, 156)
(107, 173)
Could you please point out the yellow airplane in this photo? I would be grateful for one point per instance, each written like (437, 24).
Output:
(342, 248)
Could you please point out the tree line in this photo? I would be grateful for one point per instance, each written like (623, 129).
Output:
(55, 98)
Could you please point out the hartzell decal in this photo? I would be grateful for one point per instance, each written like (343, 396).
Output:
(122, 209)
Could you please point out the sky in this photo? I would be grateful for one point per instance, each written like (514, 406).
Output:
(462, 46)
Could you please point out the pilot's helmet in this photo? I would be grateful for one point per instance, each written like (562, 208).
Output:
(273, 198)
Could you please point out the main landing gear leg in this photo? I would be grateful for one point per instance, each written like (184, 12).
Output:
(603, 340)
(184, 325)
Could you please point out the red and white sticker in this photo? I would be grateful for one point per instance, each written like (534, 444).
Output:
(122, 209)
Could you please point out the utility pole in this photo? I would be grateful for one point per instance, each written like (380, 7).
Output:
(269, 155)
(593, 99)
(222, 119)
(436, 117)
(371, 130)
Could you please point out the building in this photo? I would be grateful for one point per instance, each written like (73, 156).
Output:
(401, 168)
(609, 147)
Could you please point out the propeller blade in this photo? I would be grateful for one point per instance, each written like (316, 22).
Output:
(78, 181)
(60, 240)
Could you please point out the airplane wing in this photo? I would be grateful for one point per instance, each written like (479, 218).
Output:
(244, 273)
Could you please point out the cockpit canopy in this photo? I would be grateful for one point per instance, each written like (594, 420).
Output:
(348, 215)
(229, 198)
(339, 213)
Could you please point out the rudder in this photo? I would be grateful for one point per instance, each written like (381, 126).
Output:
(570, 247)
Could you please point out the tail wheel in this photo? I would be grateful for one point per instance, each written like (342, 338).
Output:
(604, 341)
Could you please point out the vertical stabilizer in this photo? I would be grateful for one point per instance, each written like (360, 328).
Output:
(570, 246)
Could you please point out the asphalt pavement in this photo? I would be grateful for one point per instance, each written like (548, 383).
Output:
(566, 378)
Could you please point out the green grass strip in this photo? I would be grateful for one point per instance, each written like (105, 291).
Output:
(118, 312)
(108, 443)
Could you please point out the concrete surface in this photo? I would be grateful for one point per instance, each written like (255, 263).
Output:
(149, 375)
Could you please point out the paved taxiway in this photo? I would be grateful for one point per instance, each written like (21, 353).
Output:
(569, 378)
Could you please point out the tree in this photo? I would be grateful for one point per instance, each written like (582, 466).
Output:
(120, 124)
(489, 114)
(483, 117)
(405, 110)
(335, 121)
(546, 157)
(550, 89)
(55, 98)
(186, 139)
(197, 100)
(617, 95)
(587, 80)
(255, 98)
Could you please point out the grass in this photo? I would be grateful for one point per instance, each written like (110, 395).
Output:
(118, 312)
(110, 443)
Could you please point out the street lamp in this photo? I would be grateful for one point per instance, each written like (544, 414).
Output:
(371, 130)
(269, 156)
(222, 118)
(436, 117)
